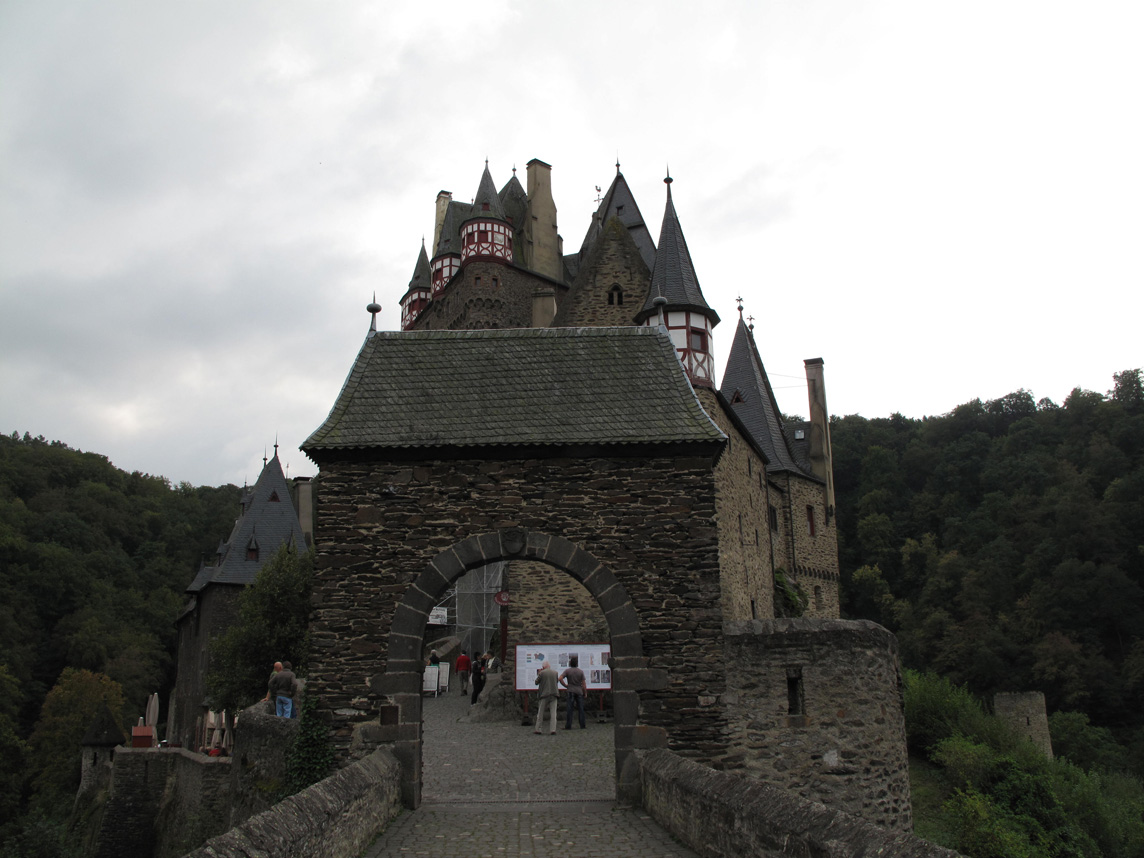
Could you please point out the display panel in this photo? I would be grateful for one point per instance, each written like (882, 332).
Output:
(595, 661)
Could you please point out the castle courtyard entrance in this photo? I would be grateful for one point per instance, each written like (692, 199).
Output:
(498, 789)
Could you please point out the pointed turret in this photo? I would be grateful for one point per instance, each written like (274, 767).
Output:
(619, 202)
(486, 234)
(748, 391)
(420, 288)
(675, 294)
(447, 253)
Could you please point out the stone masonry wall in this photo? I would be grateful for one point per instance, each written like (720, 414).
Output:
(815, 707)
(485, 295)
(719, 814)
(614, 261)
(1025, 712)
(138, 780)
(748, 583)
(334, 818)
(195, 804)
(650, 521)
(550, 607)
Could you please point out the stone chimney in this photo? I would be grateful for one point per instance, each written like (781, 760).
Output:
(542, 241)
(820, 455)
(304, 500)
(543, 306)
(443, 200)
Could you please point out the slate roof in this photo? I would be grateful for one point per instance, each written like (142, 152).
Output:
(268, 521)
(487, 193)
(619, 202)
(673, 276)
(758, 410)
(456, 213)
(422, 275)
(498, 388)
(514, 200)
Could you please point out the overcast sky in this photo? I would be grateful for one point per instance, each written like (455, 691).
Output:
(198, 199)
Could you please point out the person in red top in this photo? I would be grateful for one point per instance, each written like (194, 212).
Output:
(464, 664)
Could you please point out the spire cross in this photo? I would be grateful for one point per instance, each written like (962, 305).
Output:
(751, 320)
(740, 300)
(617, 163)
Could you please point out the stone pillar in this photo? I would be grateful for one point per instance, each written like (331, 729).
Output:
(543, 306)
(820, 455)
(304, 498)
(1025, 713)
(542, 241)
(443, 200)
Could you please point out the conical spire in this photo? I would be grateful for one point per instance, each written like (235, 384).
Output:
(748, 391)
(673, 276)
(487, 201)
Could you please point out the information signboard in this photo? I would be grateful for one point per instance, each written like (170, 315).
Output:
(594, 661)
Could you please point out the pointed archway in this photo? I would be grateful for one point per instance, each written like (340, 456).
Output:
(401, 681)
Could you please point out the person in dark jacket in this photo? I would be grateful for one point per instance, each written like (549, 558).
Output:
(281, 688)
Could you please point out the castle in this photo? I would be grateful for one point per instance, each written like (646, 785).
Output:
(559, 414)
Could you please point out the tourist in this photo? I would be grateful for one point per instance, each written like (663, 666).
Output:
(463, 665)
(547, 697)
(577, 684)
(273, 673)
(282, 690)
(434, 659)
(479, 668)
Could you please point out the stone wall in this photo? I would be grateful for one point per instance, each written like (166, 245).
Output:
(719, 814)
(550, 607)
(195, 805)
(258, 775)
(815, 707)
(647, 520)
(138, 781)
(334, 818)
(214, 612)
(485, 295)
(1025, 713)
(614, 261)
(745, 552)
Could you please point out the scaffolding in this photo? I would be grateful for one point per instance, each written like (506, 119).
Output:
(477, 613)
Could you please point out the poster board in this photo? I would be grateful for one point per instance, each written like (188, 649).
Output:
(430, 678)
(595, 661)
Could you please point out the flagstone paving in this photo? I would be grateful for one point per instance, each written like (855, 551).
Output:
(501, 790)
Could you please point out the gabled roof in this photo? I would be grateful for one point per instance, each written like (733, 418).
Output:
(487, 193)
(422, 276)
(673, 276)
(456, 213)
(619, 202)
(503, 388)
(268, 520)
(747, 390)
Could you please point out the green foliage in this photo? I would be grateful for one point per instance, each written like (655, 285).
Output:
(1083, 744)
(69, 709)
(1004, 798)
(790, 599)
(1002, 543)
(311, 757)
(39, 835)
(273, 614)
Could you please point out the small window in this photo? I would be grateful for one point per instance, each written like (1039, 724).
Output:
(274, 497)
(484, 207)
(796, 700)
(748, 466)
(799, 434)
(496, 283)
(773, 517)
(252, 554)
(483, 235)
(616, 296)
(810, 520)
(754, 611)
(817, 598)
(698, 340)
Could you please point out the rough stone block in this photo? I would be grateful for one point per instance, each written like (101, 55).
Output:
(395, 683)
(641, 737)
(645, 679)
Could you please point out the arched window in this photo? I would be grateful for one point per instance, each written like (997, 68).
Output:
(616, 296)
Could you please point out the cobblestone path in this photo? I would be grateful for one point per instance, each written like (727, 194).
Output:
(501, 790)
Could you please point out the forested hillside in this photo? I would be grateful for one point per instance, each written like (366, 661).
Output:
(93, 565)
(1004, 544)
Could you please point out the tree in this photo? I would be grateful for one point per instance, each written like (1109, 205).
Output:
(69, 709)
(273, 614)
